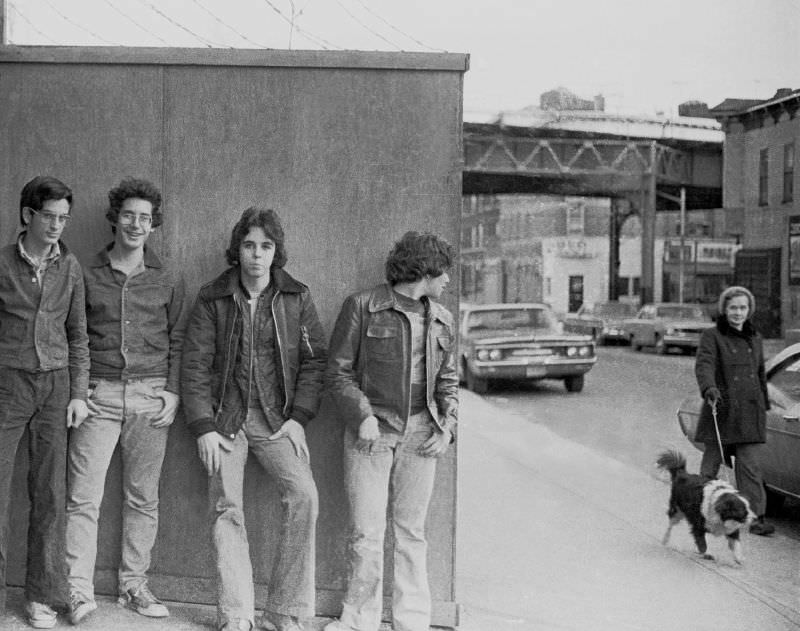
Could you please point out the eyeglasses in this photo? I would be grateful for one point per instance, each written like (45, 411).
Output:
(126, 219)
(52, 218)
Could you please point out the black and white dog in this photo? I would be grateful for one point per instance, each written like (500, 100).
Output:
(711, 506)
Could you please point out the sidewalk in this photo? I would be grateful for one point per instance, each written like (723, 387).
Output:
(554, 536)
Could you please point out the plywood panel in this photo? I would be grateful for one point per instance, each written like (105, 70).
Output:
(350, 157)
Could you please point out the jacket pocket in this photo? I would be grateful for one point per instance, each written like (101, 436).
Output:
(382, 342)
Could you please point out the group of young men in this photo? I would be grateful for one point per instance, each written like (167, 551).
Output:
(103, 354)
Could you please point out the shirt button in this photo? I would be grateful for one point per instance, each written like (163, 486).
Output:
(127, 321)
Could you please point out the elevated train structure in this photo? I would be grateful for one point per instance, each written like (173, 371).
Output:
(643, 164)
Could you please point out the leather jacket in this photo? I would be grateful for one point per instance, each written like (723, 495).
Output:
(212, 341)
(369, 362)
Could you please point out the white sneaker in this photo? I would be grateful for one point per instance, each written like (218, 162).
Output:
(40, 616)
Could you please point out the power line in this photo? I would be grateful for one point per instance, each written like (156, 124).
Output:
(199, 38)
(83, 28)
(145, 30)
(374, 32)
(31, 24)
(309, 36)
(394, 28)
(228, 26)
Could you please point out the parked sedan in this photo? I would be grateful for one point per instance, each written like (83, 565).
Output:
(778, 460)
(665, 325)
(520, 341)
(601, 320)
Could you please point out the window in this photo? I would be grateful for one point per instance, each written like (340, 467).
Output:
(575, 220)
(763, 177)
(788, 172)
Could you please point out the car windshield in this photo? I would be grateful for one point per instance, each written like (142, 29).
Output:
(510, 319)
(610, 309)
(682, 313)
(785, 382)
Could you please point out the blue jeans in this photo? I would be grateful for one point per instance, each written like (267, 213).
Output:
(291, 585)
(745, 466)
(391, 462)
(38, 402)
(126, 411)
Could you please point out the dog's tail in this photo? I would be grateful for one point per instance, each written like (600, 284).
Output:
(672, 461)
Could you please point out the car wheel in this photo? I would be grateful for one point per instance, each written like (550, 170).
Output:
(660, 347)
(775, 502)
(634, 345)
(574, 384)
(479, 385)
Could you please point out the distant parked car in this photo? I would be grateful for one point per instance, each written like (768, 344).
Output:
(601, 320)
(778, 460)
(520, 341)
(665, 325)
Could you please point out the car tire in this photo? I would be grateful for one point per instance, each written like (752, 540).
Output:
(634, 345)
(659, 347)
(574, 384)
(775, 502)
(479, 385)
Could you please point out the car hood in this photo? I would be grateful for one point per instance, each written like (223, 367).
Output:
(688, 324)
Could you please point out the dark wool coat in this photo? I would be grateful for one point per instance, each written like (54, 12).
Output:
(732, 361)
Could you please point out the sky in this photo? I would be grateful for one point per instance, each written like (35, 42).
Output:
(643, 56)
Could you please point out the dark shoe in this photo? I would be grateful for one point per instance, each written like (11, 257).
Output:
(40, 615)
(80, 607)
(142, 601)
(762, 528)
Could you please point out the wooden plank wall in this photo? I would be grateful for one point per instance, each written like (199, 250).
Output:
(351, 155)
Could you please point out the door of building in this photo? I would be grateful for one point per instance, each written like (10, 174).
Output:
(760, 271)
(575, 293)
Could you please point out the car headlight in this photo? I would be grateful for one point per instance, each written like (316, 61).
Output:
(584, 351)
(483, 354)
(572, 351)
(495, 354)
(670, 330)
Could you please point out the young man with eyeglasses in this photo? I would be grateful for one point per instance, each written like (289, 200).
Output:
(44, 372)
(135, 311)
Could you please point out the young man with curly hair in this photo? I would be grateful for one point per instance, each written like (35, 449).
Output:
(252, 372)
(44, 372)
(392, 374)
(135, 310)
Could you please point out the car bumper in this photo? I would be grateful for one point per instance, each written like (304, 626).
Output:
(684, 341)
(614, 333)
(549, 368)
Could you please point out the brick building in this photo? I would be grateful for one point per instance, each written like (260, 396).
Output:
(760, 192)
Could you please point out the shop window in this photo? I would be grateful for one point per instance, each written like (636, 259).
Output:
(763, 177)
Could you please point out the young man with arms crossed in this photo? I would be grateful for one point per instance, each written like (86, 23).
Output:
(391, 372)
(252, 372)
(135, 312)
(44, 373)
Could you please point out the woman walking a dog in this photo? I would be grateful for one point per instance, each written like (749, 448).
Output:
(730, 372)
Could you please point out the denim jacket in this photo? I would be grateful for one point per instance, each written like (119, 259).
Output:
(369, 365)
(135, 323)
(43, 327)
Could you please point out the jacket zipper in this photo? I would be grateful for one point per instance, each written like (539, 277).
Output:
(280, 352)
(304, 331)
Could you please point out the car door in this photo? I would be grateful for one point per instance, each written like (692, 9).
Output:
(779, 462)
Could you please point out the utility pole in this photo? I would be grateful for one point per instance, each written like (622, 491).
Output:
(3, 23)
(683, 243)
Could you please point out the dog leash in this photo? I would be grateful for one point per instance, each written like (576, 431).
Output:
(719, 441)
